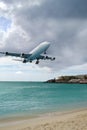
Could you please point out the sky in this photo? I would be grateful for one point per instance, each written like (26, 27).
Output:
(24, 24)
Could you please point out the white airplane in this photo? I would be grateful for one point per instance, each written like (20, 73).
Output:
(35, 54)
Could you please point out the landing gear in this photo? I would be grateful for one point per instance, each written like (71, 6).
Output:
(24, 61)
(30, 61)
(49, 58)
(37, 62)
(53, 58)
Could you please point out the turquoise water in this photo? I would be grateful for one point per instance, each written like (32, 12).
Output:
(35, 97)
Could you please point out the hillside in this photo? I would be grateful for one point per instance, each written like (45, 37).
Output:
(82, 79)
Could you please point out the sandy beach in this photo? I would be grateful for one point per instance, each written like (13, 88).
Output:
(72, 120)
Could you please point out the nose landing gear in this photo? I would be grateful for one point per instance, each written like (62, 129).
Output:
(45, 52)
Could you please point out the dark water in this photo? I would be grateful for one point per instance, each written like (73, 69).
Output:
(35, 97)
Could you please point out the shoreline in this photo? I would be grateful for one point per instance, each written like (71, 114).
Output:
(45, 120)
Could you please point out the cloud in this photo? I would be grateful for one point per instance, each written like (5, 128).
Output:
(56, 9)
(61, 22)
(3, 6)
(19, 72)
(74, 70)
(16, 71)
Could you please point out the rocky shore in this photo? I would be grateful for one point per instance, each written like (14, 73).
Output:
(82, 79)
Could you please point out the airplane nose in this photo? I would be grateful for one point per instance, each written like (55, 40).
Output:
(48, 43)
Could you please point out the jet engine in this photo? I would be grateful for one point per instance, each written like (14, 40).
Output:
(22, 55)
(6, 53)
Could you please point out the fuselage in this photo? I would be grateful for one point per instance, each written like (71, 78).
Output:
(35, 53)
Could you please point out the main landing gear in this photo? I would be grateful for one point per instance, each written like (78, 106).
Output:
(24, 61)
(37, 62)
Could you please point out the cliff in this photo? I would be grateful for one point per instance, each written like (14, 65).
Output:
(82, 79)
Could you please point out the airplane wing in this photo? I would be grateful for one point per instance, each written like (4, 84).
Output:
(46, 57)
(22, 55)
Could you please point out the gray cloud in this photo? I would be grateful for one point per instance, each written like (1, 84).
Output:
(58, 9)
(61, 22)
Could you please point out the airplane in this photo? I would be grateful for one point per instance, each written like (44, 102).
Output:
(35, 54)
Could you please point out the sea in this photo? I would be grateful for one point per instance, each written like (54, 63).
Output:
(32, 98)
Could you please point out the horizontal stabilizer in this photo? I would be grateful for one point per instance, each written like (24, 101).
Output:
(17, 60)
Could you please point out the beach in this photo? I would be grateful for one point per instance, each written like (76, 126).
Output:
(71, 120)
